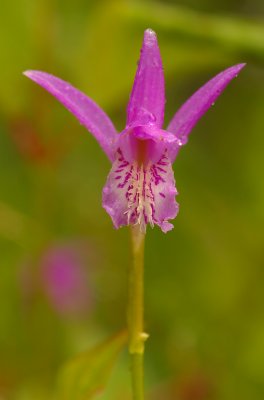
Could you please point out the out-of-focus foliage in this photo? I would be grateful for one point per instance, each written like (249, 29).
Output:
(204, 280)
(85, 376)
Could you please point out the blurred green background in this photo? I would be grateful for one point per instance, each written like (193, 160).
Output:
(63, 285)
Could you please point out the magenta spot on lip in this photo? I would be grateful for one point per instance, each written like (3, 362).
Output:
(161, 169)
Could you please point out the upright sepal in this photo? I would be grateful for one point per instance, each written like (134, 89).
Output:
(194, 108)
(147, 100)
(85, 110)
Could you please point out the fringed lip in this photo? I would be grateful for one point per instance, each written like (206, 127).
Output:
(141, 194)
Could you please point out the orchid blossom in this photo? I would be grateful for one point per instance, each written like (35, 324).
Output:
(140, 187)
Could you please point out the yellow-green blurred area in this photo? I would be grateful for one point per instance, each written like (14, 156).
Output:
(63, 285)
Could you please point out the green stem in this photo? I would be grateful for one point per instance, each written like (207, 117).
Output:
(137, 336)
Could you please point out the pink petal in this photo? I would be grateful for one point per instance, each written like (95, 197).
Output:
(147, 100)
(194, 108)
(141, 194)
(85, 110)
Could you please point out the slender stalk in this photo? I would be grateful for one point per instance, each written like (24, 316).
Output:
(137, 336)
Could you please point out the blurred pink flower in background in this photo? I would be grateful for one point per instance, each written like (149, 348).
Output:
(65, 279)
(62, 275)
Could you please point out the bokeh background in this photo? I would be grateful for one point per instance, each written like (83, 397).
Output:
(63, 285)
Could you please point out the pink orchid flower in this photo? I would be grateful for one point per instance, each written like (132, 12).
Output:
(140, 187)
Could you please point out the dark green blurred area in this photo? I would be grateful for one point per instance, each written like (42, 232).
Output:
(204, 280)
